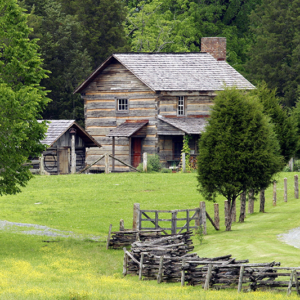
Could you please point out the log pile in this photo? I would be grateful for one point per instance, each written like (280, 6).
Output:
(120, 239)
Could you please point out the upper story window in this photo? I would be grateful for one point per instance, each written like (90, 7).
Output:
(180, 106)
(122, 105)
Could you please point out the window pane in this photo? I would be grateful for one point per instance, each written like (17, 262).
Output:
(122, 104)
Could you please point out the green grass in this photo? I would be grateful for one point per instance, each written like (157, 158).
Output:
(32, 268)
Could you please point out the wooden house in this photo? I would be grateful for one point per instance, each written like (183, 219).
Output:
(147, 102)
(67, 144)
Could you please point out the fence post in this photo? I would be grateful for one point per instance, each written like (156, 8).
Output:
(106, 163)
(136, 217)
(108, 237)
(141, 266)
(203, 215)
(217, 215)
(274, 193)
(207, 279)
(121, 225)
(41, 159)
(241, 279)
(183, 162)
(160, 270)
(182, 273)
(285, 189)
(296, 187)
(145, 162)
(125, 261)
(174, 222)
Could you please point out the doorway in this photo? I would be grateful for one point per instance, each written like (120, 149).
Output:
(63, 161)
(136, 151)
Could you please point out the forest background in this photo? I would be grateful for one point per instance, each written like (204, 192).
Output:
(75, 37)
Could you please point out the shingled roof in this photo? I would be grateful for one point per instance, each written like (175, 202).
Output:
(177, 71)
(56, 128)
(127, 129)
(187, 125)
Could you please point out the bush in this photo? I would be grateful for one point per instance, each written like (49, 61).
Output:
(154, 161)
(153, 164)
(286, 169)
(165, 170)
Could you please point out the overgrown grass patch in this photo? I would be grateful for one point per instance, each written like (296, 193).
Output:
(43, 267)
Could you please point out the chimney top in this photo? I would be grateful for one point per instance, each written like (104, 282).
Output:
(216, 46)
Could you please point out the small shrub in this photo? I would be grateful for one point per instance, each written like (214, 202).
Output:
(140, 167)
(297, 165)
(286, 169)
(165, 170)
(199, 234)
(154, 161)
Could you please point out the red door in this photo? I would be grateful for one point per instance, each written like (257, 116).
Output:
(136, 152)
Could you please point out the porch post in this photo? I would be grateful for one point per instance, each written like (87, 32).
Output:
(73, 155)
(129, 139)
(113, 153)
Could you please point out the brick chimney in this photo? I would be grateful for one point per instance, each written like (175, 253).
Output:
(216, 46)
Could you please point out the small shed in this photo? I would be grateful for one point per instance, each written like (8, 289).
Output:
(66, 152)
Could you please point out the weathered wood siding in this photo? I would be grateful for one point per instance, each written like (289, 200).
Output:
(101, 115)
(196, 103)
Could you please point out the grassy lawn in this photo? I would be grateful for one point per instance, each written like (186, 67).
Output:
(40, 267)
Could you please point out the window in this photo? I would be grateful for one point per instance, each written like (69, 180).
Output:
(180, 106)
(122, 104)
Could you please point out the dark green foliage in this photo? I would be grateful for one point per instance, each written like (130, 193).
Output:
(22, 98)
(154, 162)
(274, 57)
(61, 45)
(284, 125)
(102, 26)
(239, 150)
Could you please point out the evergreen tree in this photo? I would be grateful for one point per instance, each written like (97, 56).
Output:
(21, 98)
(61, 45)
(274, 57)
(284, 125)
(238, 151)
(102, 23)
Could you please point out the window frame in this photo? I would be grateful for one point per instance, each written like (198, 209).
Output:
(180, 106)
(118, 104)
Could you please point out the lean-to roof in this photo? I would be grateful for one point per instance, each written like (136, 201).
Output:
(56, 128)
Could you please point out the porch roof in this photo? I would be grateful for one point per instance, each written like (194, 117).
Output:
(127, 129)
(186, 124)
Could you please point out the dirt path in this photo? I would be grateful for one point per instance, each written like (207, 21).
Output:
(34, 229)
(292, 237)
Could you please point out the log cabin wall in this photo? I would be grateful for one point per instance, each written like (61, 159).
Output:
(101, 114)
(196, 103)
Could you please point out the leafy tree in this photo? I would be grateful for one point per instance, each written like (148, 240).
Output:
(238, 151)
(284, 125)
(102, 25)
(22, 98)
(274, 56)
(178, 25)
(61, 46)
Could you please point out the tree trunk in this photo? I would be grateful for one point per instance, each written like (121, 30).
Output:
(251, 202)
(262, 201)
(243, 207)
(228, 213)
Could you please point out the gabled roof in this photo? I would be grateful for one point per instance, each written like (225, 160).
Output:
(127, 129)
(177, 71)
(185, 124)
(56, 128)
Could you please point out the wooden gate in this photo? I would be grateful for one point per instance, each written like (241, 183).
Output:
(190, 219)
